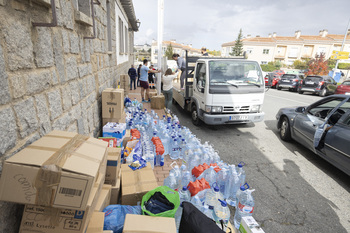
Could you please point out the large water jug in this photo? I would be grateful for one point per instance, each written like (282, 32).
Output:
(221, 214)
(171, 181)
(212, 196)
(184, 195)
(245, 206)
(210, 175)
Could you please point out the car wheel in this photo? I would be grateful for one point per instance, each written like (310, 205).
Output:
(300, 92)
(323, 92)
(285, 129)
(278, 87)
(195, 119)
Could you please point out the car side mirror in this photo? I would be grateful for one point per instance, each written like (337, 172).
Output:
(300, 109)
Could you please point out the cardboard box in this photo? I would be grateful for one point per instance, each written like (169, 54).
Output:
(152, 93)
(29, 177)
(124, 78)
(96, 223)
(115, 120)
(136, 183)
(113, 165)
(158, 102)
(116, 130)
(112, 103)
(104, 198)
(249, 225)
(40, 219)
(148, 224)
(115, 192)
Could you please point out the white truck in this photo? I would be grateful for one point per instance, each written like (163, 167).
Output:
(222, 90)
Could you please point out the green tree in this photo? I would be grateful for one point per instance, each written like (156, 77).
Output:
(300, 64)
(169, 52)
(238, 48)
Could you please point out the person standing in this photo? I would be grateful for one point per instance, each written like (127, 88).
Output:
(151, 78)
(138, 75)
(181, 64)
(144, 80)
(132, 74)
(167, 81)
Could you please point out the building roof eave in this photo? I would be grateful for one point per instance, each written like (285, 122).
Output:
(130, 12)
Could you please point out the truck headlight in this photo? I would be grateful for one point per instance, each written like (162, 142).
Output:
(213, 109)
(255, 108)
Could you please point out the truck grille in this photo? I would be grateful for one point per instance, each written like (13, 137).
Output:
(236, 109)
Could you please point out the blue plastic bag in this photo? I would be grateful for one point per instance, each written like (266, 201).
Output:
(115, 216)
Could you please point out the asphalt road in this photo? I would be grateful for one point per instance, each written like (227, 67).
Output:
(295, 190)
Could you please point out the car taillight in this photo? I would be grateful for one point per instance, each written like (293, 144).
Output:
(301, 81)
(295, 80)
(321, 83)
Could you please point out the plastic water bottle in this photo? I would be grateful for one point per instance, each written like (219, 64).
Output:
(170, 181)
(222, 179)
(175, 150)
(209, 212)
(212, 196)
(210, 176)
(239, 192)
(196, 201)
(241, 173)
(221, 214)
(233, 185)
(184, 195)
(186, 178)
(245, 206)
(182, 148)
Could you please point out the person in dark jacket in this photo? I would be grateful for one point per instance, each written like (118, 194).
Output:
(138, 74)
(132, 74)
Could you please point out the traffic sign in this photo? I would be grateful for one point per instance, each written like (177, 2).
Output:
(340, 53)
(340, 57)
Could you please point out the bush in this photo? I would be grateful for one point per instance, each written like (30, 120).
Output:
(344, 66)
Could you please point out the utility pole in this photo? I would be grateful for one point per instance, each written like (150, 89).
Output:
(160, 42)
(342, 47)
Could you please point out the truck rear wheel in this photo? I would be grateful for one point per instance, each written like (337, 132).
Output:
(194, 113)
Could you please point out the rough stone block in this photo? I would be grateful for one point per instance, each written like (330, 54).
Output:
(55, 105)
(28, 121)
(10, 218)
(54, 79)
(80, 123)
(18, 43)
(83, 70)
(43, 114)
(75, 92)
(90, 84)
(43, 47)
(67, 14)
(59, 61)
(96, 112)
(82, 88)
(66, 97)
(73, 128)
(88, 50)
(38, 82)
(62, 122)
(5, 96)
(8, 128)
(65, 38)
(90, 117)
(74, 43)
(75, 112)
(82, 50)
(17, 82)
(71, 68)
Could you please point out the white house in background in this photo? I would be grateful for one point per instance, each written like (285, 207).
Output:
(287, 49)
(177, 48)
(144, 47)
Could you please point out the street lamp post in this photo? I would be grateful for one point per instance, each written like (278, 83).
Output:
(342, 47)
(160, 41)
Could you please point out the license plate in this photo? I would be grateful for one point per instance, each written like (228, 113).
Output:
(309, 82)
(286, 81)
(237, 118)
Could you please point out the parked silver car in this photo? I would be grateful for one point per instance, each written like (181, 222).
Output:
(323, 127)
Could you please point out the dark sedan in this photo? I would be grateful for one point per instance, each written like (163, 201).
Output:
(290, 81)
(323, 127)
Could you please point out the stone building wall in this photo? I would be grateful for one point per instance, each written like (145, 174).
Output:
(51, 77)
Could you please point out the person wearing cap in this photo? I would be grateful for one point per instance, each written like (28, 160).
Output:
(204, 51)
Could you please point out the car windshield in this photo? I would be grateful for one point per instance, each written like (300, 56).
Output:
(346, 83)
(328, 106)
(235, 73)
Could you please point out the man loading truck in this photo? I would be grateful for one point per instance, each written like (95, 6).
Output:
(221, 90)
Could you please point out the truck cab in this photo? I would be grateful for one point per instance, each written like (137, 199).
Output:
(222, 90)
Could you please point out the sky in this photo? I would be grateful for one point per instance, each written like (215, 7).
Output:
(210, 23)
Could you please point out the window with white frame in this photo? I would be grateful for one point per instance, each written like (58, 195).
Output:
(126, 40)
(321, 50)
(121, 36)
(293, 52)
(266, 51)
(249, 50)
(263, 62)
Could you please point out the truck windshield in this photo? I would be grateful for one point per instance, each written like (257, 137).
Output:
(235, 73)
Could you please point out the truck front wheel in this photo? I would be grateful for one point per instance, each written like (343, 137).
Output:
(195, 119)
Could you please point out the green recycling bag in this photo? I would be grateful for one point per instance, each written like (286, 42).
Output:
(170, 194)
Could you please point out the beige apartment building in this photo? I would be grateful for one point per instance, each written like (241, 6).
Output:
(287, 49)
